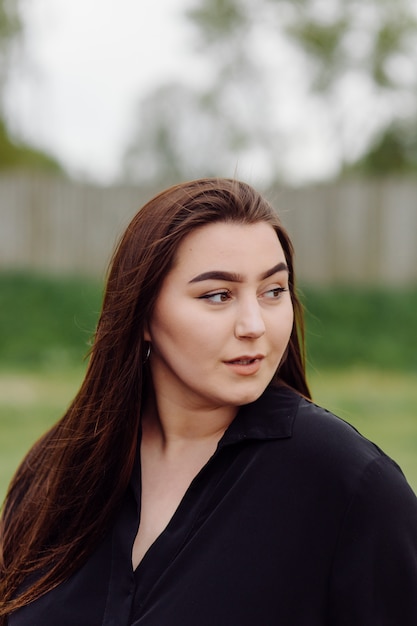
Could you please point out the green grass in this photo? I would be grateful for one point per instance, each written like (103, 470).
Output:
(46, 321)
(29, 404)
(361, 327)
(382, 405)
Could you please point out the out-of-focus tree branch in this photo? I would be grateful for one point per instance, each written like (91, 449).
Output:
(273, 70)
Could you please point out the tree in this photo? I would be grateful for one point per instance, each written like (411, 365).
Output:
(15, 154)
(21, 156)
(10, 31)
(394, 151)
(285, 72)
(185, 133)
(357, 63)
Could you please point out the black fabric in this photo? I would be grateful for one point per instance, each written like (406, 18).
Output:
(297, 520)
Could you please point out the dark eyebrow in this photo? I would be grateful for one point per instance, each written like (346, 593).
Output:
(237, 278)
(218, 275)
(279, 267)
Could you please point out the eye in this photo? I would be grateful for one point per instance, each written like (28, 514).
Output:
(217, 297)
(274, 293)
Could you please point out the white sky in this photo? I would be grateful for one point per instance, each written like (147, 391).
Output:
(86, 65)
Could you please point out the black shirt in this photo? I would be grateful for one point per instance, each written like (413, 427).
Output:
(296, 520)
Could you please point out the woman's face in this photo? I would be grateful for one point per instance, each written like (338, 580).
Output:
(223, 317)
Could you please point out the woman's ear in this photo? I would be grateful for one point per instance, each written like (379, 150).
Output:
(146, 333)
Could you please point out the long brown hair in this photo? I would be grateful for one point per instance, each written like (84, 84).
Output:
(67, 490)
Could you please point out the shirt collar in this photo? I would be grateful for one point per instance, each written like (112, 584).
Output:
(271, 416)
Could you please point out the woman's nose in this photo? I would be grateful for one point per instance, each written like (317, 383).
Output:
(249, 320)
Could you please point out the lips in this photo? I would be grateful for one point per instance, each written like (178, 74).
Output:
(245, 365)
(245, 360)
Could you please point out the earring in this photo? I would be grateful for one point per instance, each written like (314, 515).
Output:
(148, 353)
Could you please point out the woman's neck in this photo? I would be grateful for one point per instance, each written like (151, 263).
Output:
(176, 427)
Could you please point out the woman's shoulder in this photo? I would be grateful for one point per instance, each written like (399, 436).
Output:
(333, 445)
(323, 430)
(326, 457)
(325, 445)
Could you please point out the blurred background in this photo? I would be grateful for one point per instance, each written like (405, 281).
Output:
(314, 102)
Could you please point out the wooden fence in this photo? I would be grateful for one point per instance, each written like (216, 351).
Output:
(352, 231)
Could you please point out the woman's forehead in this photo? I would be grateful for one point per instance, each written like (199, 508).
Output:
(231, 247)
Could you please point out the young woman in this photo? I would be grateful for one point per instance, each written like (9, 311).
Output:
(192, 481)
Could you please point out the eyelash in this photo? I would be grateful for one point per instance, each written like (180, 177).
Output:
(228, 294)
(209, 296)
(278, 290)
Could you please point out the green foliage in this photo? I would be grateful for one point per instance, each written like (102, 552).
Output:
(397, 30)
(218, 18)
(339, 43)
(10, 28)
(46, 322)
(393, 152)
(9, 21)
(10, 31)
(183, 135)
(353, 63)
(352, 326)
(15, 155)
(322, 42)
(21, 156)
